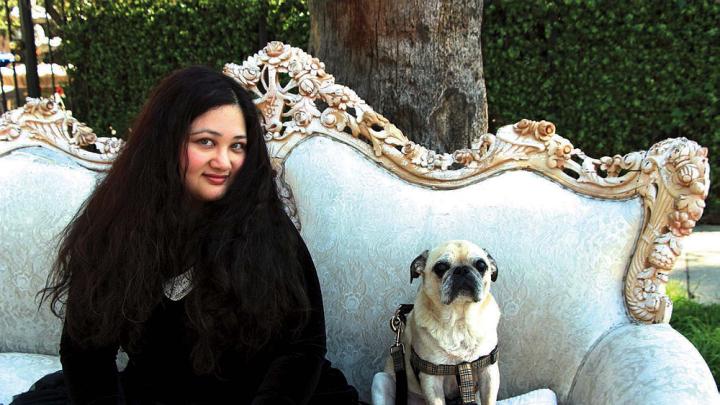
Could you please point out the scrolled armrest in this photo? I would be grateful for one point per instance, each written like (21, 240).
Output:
(644, 364)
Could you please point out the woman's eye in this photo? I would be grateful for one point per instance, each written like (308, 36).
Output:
(238, 146)
(205, 142)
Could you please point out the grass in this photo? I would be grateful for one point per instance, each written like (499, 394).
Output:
(699, 323)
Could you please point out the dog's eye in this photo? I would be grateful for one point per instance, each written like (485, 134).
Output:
(440, 268)
(480, 265)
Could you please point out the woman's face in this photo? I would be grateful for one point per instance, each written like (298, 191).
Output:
(215, 152)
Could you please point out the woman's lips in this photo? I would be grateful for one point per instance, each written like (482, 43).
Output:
(215, 179)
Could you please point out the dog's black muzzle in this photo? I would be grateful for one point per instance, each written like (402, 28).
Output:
(463, 281)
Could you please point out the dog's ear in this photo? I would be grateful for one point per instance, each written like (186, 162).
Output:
(493, 268)
(418, 265)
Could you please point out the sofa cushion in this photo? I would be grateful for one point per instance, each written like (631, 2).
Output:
(19, 371)
(41, 191)
(383, 393)
(652, 362)
(561, 258)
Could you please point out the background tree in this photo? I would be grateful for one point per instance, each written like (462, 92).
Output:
(418, 63)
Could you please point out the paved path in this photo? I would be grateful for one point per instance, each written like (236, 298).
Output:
(700, 264)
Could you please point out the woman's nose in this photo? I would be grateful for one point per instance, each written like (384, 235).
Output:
(221, 160)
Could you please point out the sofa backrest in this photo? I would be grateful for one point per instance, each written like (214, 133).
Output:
(45, 176)
(583, 245)
(41, 191)
(559, 287)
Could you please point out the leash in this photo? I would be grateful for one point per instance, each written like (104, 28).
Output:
(464, 372)
(397, 352)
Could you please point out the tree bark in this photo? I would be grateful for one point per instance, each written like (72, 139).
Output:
(417, 62)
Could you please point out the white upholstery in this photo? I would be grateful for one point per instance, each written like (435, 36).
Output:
(18, 371)
(41, 191)
(652, 364)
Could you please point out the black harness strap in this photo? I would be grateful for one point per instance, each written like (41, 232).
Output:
(403, 310)
(401, 392)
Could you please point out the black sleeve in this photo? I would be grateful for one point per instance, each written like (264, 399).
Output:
(293, 374)
(90, 374)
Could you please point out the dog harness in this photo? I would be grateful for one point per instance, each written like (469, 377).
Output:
(464, 372)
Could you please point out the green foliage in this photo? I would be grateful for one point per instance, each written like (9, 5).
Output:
(3, 17)
(699, 323)
(119, 49)
(613, 76)
(291, 18)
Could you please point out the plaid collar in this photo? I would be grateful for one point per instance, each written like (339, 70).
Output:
(464, 372)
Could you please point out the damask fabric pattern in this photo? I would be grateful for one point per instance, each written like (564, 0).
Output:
(18, 371)
(561, 258)
(651, 364)
(41, 191)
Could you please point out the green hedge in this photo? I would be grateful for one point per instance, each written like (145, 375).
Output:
(119, 49)
(614, 76)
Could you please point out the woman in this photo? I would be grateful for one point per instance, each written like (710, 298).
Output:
(185, 259)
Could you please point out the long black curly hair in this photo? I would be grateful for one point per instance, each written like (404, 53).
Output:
(137, 230)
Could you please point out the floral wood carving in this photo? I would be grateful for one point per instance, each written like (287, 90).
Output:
(674, 182)
(298, 99)
(45, 122)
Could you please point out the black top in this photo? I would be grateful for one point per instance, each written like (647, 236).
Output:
(287, 371)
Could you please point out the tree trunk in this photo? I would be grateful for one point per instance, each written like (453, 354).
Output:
(262, 24)
(416, 62)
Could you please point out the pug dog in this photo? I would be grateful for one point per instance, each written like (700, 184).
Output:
(454, 321)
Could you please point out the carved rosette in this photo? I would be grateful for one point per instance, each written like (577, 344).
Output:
(674, 182)
(45, 122)
(542, 131)
(298, 99)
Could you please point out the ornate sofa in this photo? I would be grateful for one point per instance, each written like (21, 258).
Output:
(584, 246)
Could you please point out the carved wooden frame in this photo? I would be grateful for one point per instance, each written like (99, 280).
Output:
(45, 122)
(298, 99)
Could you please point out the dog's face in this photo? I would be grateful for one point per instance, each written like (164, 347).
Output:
(455, 271)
